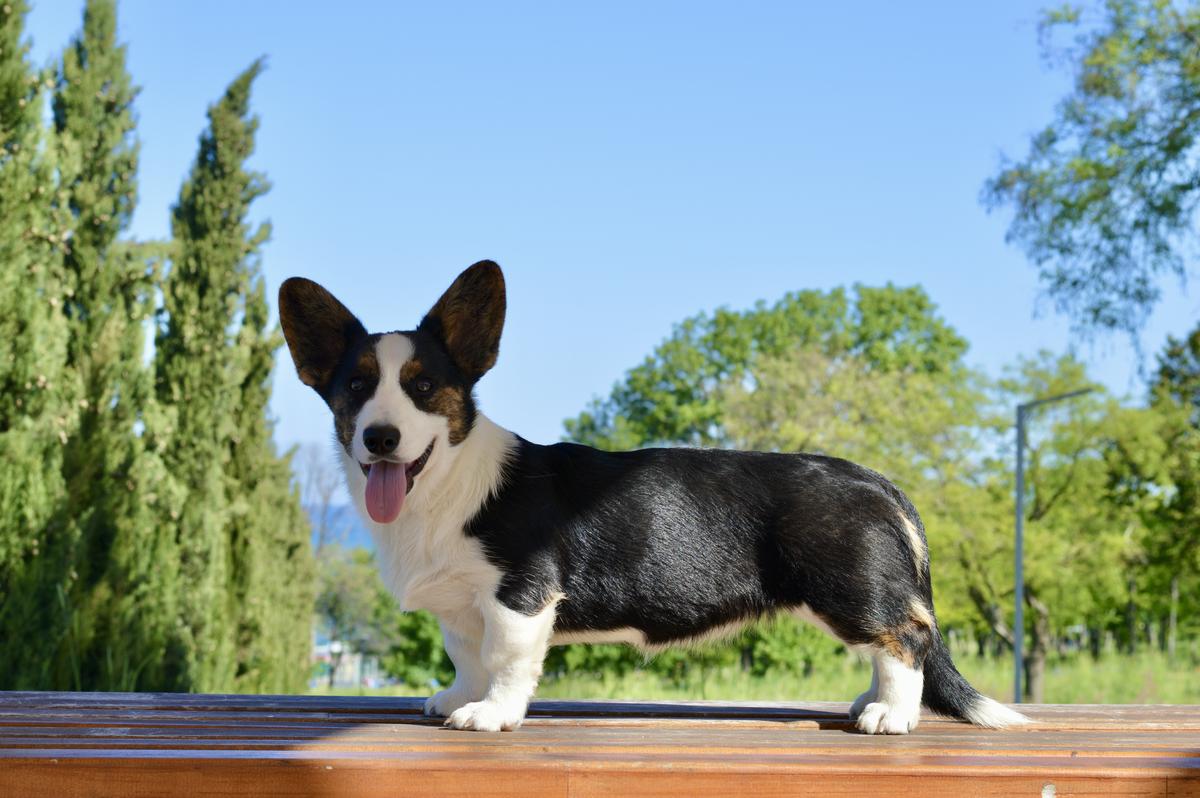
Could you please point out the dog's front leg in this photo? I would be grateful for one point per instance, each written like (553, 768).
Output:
(514, 646)
(470, 678)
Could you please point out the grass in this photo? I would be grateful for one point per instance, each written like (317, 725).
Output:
(1148, 678)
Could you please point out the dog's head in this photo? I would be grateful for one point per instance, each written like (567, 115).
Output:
(401, 401)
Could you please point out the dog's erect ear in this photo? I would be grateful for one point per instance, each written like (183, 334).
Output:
(318, 330)
(469, 317)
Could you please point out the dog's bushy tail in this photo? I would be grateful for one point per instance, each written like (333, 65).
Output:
(948, 693)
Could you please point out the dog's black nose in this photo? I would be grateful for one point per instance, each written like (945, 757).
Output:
(381, 439)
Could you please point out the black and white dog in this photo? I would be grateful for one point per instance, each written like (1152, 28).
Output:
(516, 547)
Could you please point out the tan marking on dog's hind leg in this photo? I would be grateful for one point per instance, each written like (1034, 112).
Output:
(915, 542)
(920, 613)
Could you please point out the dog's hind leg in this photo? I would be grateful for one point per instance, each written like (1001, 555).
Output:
(513, 649)
(893, 703)
(898, 648)
(896, 706)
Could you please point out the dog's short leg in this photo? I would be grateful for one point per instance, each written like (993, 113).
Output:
(870, 695)
(896, 707)
(514, 646)
(470, 679)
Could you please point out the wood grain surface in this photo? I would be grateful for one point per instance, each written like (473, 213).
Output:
(125, 744)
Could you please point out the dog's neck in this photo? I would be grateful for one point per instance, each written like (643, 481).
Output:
(471, 477)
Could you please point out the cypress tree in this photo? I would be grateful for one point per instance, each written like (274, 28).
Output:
(35, 397)
(273, 572)
(242, 573)
(123, 598)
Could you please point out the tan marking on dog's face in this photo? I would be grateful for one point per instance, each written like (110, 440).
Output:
(447, 398)
(345, 402)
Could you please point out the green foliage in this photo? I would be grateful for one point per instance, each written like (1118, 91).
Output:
(149, 535)
(123, 615)
(1106, 198)
(675, 395)
(1155, 470)
(244, 559)
(355, 608)
(36, 407)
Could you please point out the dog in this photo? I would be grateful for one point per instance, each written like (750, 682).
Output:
(516, 547)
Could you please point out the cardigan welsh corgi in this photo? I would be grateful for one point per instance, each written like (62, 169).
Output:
(515, 546)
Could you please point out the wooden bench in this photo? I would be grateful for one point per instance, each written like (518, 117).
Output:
(93, 744)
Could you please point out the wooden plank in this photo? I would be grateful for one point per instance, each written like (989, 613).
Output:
(160, 744)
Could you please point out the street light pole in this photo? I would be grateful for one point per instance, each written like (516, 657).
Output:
(1019, 554)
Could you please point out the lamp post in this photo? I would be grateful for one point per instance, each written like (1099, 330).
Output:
(1023, 411)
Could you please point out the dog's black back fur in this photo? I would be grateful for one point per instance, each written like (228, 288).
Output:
(673, 542)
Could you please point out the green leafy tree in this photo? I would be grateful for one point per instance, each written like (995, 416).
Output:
(1174, 548)
(1105, 201)
(346, 601)
(675, 396)
(36, 411)
(269, 532)
(243, 560)
(122, 601)
(1155, 469)
(1081, 549)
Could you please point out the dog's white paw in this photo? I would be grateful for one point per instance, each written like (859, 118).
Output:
(860, 703)
(881, 718)
(487, 716)
(444, 702)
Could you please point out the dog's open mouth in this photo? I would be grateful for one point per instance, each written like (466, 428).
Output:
(388, 483)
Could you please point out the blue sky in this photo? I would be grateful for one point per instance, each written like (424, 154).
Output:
(628, 164)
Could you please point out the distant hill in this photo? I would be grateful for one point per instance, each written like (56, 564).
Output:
(347, 527)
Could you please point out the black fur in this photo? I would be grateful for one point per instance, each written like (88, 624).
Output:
(675, 541)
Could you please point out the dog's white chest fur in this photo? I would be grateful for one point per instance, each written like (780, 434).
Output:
(424, 556)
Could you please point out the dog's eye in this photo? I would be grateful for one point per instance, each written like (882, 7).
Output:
(423, 385)
(357, 384)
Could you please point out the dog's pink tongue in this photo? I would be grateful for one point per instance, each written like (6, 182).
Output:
(386, 488)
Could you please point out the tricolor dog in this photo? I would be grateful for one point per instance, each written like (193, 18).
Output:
(515, 546)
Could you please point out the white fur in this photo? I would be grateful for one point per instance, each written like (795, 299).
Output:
(426, 560)
(994, 715)
(391, 405)
(428, 563)
(470, 678)
(512, 651)
(637, 639)
(896, 707)
(627, 635)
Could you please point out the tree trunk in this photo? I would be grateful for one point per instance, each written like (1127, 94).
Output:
(334, 661)
(1173, 618)
(1131, 616)
(1035, 663)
